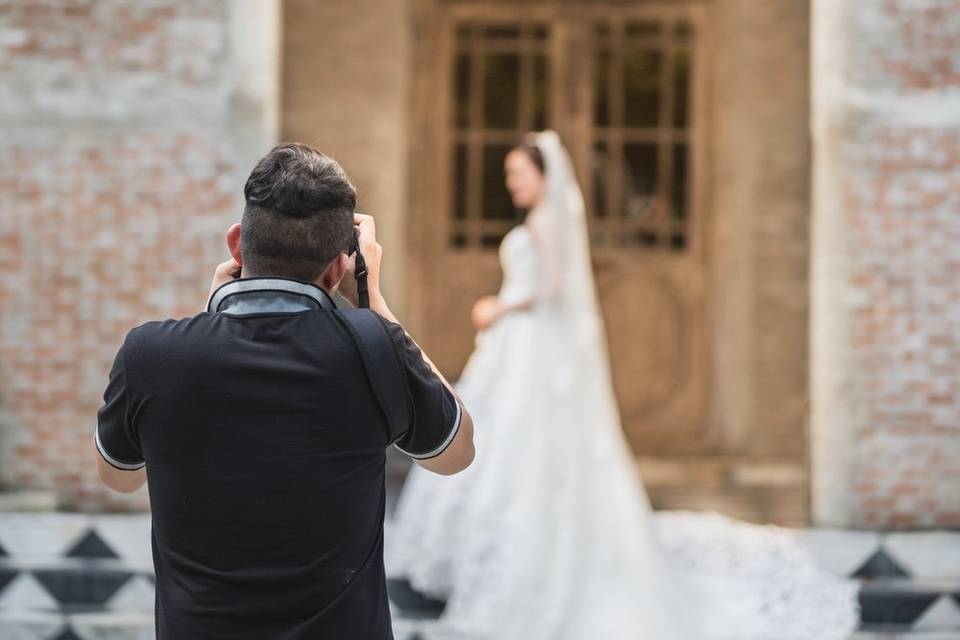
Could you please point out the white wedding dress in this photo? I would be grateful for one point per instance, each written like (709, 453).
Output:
(549, 534)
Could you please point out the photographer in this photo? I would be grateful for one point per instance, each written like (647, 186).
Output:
(260, 425)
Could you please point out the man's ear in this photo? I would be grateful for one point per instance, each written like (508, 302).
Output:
(334, 273)
(233, 242)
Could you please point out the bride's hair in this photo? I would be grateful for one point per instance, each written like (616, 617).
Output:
(532, 151)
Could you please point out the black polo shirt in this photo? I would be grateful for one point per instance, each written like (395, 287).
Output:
(264, 452)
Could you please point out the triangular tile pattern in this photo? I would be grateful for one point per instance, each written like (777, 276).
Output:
(91, 545)
(880, 565)
(6, 577)
(82, 586)
(136, 595)
(67, 634)
(411, 602)
(25, 593)
(839, 551)
(885, 606)
(102, 625)
(129, 537)
(942, 614)
(30, 625)
(926, 554)
(40, 535)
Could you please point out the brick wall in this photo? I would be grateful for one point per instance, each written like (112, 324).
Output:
(904, 203)
(887, 301)
(126, 131)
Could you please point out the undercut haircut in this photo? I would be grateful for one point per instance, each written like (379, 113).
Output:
(298, 215)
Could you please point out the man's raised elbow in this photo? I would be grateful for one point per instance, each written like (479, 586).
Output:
(470, 455)
(119, 480)
(467, 451)
(464, 458)
(458, 456)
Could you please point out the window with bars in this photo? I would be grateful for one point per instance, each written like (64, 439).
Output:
(640, 138)
(500, 93)
(640, 133)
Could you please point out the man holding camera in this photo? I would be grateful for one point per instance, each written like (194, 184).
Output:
(261, 423)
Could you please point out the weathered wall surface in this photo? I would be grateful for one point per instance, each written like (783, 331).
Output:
(127, 128)
(886, 263)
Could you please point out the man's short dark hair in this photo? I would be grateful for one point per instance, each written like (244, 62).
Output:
(298, 215)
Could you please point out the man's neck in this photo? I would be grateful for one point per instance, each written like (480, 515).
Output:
(245, 273)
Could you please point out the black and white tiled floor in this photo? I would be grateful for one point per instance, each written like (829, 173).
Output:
(81, 577)
(71, 576)
(910, 582)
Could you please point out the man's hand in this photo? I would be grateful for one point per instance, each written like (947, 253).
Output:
(372, 255)
(224, 273)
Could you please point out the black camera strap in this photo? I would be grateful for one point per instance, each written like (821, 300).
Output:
(385, 374)
(360, 271)
(363, 297)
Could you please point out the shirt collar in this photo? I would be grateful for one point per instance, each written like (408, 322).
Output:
(268, 295)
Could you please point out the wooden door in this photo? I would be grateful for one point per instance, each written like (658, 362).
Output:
(622, 85)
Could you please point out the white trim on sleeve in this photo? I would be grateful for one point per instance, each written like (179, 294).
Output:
(443, 445)
(123, 466)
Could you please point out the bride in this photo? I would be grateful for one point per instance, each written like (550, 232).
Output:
(549, 534)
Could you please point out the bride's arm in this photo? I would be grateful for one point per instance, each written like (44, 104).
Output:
(489, 309)
(551, 259)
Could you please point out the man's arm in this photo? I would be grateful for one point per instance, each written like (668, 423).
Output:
(120, 479)
(120, 463)
(459, 453)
